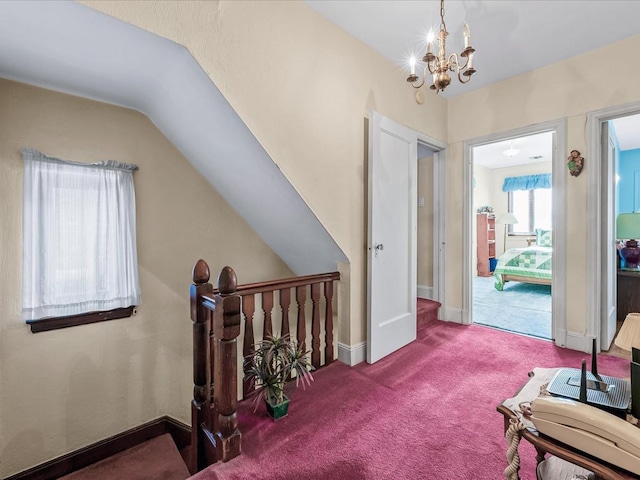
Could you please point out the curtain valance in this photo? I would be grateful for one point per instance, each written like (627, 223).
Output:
(527, 182)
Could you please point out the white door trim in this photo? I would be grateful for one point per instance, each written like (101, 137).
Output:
(594, 214)
(559, 178)
(440, 158)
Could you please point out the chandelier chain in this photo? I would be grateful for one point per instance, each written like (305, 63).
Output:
(443, 26)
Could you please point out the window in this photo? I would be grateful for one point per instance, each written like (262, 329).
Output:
(530, 200)
(79, 253)
(532, 208)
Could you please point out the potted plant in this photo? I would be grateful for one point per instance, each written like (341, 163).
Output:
(273, 362)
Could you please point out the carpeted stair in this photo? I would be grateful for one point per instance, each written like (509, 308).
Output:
(154, 459)
(427, 312)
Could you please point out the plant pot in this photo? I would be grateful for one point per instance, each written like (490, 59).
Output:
(278, 411)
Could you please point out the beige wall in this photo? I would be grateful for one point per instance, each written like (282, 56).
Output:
(565, 90)
(281, 60)
(425, 222)
(65, 389)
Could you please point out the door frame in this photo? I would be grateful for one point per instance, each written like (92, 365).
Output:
(558, 182)
(440, 156)
(595, 243)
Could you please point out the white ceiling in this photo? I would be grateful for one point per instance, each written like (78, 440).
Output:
(530, 148)
(510, 36)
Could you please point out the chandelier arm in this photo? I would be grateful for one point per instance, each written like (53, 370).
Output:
(452, 63)
(460, 78)
(414, 85)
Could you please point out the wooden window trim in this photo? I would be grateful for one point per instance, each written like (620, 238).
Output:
(56, 323)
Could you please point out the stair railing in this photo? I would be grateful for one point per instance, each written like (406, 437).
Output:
(216, 316)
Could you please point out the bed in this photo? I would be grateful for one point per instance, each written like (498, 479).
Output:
(529, 264)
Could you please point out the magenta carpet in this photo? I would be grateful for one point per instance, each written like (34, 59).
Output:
(427, 411)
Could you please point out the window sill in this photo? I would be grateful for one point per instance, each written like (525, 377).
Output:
(56, 323)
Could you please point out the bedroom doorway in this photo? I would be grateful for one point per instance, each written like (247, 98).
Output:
(512, 200)
(514, 217)
(613, 134)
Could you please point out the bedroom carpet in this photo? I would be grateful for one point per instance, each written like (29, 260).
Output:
(520, 307)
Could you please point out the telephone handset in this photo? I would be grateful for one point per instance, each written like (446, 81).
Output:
(589, 429)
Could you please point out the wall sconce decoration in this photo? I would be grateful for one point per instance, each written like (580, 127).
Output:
(575, 163)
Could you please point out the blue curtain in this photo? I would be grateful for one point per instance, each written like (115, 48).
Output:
(527, 182)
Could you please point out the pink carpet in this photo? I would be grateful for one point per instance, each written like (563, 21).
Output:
(154, 459)
(427, 411)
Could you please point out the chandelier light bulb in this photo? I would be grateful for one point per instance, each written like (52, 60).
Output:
(412, 64)
(430, 36)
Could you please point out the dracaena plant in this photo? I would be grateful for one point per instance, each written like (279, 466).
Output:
(274, 361)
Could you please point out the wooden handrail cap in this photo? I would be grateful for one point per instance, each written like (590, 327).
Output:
(227, 281)
(201, 272)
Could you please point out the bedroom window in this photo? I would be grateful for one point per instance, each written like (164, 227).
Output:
(532, 208)
(529, 198)
(79, 258)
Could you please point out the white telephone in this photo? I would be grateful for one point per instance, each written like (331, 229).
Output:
(589, 429)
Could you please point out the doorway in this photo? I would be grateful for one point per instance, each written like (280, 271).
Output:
(615, 142)
(556, 131)
(513, 235)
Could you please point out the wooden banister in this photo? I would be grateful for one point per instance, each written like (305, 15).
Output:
(216, 315)
(216, 326)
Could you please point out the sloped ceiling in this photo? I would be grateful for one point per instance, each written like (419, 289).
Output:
(71, 48)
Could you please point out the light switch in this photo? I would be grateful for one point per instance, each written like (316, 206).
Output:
(421, 202)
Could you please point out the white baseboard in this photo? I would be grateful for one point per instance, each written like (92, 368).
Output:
(425, 292)
(352, 355)
(579, 342)
(451, 314)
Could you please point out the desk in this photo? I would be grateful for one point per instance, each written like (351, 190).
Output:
(628, 298)
(543, 444)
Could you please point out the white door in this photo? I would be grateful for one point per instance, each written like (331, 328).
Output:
(608, 272)
(392, 259)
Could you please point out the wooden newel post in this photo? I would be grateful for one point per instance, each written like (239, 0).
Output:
(226, 327)
(200, 286)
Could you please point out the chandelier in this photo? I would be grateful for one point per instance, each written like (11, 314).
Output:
(438, 66)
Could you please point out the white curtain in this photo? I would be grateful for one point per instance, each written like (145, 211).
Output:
(79, 237)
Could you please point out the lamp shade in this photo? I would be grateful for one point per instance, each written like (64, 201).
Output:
(628, 226)
(506, 218)
(629, 334)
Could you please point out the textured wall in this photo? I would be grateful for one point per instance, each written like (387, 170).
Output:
(65, 389)
(304, 88)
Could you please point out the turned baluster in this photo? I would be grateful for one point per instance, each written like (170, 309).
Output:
(267, 308)
(285, 302)
(199, 315)
(248, 309)
(226, 326)
(301, 296)
(315, 325)
(328, 323)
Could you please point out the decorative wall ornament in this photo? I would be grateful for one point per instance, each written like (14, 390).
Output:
(575, 163)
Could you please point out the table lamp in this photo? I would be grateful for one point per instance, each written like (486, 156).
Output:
(628, 338)
(628, 228)
(509, 218)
